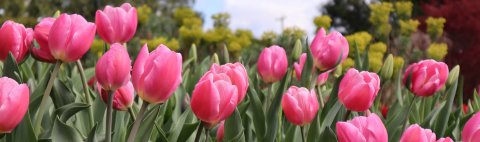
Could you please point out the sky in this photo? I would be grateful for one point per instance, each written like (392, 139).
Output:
(263, 15)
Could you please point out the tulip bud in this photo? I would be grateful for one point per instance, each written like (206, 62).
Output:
(56, 14)
(453, 75)
(15, 39)
(70, 37)
(122, 98)
(470, 132)
(338, 71)
(415, 133)
(386, 71)
(156, 75)
(426, 77)
(358, 90)
(298, 66)
(297, 49)
(299, 105)
(193, 53)
(41, 33)
(272, 64)
(329, 50)
(361, 128)
(14, 100)
(215, 59)
(220, 131)
(116, 24)
(113, 68)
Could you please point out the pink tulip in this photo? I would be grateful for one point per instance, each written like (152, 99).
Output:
(426, 77)
(298, 66)
(238, 75)
(471, 130)
(122, 98)
(113, 68)
(299, 105)
(328, 49)
(415, 133)
(14, 100)
(214, 98)
(362, 129)
(358, 90)
(220, 132)
(41, 33)
(116, 24)
(16, 39)
(448, 139)
(70, 37)
(272, 64)
(157, 75)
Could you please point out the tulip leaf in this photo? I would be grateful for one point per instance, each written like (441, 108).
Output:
(177, 126)
(307, 69)
(292, 134)
(24, 130)
(358, 60)
(62, 132)
(233, 128)
(61, 94)
(187, 131)
(226, 55)
(272, 116)
(442, 119)
(258, 113)
(11, 69)
(92, 137)
(365, 59)
(67, 111)
(146, 127)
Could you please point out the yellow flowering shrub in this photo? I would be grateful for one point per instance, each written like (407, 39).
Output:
(437, 51)
(398, 62)
(362, 39)
(379, 13)
(348, 63)
(97, 47)
(322, 22)
(191, 29)
(173, 44)
(375, 61)
(407, 27)
(404, 9)
(182, 13)
(143, 13)
(216, 35)
(435, 26)
(378, 47)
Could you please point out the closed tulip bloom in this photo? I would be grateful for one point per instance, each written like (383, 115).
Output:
(41, 32)
(16, 39)
(299, 105)
(14, 100)
(328, 49)
(122, 98)
(214, 98)
(220, 131)
(358, 90)
(116, 24)
(322, 78)
(448, 139)
(426, 77)
(70, 37)
(237, 74)
(362, 129)
(157, 75)
(471, 130)
(272, 64)
(415, 133)
(113, 68)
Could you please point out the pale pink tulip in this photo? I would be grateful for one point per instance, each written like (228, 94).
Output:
(300, 105)
(113, 68)
(14, 100)
(362, 129)
(358, 90)
(426, 77)
(116, 24)
(328, 50)
(16, 39)
(272, 64)
(157, 75)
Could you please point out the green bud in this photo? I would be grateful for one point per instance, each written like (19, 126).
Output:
(215, 58)
(56, 14)
(386, 71)
(193, 53)
(453, 75)
(226, 56)
(338, 71)
(297, 50)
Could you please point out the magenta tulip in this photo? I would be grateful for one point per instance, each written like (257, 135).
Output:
(70, 37)
(272, 64)
(358, 90)
(362, 129)
(122, 98)
(214, 98)
(299, 105)
(14, 100)
(471, 130)
(322, 78)
(328, 49)
(426, 77)
(157, 75)
(448, 139)
(220, 132)
(41, 33)
(116, 24)
(415, 133)
(16, 39)
(113, 68)
(238, 75)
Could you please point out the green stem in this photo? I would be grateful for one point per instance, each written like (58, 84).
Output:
(87, 92)
(345, 118)
(320, 96)
(406, 116)
(136, 124)
(302, 131)
(268, 96)
(207, 133)
(43, 103)
(132, 114)
(108, 131)
(199, 132)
